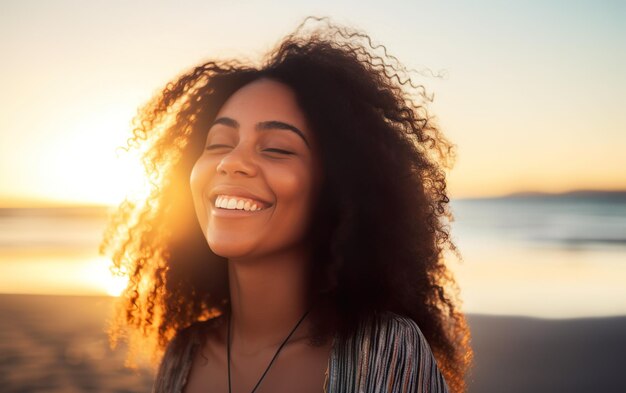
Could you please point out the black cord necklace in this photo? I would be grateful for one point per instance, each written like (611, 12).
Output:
(275, 355)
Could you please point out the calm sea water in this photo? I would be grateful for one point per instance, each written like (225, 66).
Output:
(563, 222)
(539, 256)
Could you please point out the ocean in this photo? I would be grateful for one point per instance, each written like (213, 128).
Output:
(551, 256)
(572, 222)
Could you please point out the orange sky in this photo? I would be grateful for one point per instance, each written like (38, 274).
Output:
(532, 100)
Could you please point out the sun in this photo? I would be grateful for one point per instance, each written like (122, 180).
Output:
(96, 172)
(81, 161)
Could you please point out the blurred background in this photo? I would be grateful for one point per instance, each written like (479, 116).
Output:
(532, 93)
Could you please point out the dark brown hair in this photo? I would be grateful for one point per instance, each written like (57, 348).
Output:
(380, 228)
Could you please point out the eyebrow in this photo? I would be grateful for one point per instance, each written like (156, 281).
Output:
(262, 126)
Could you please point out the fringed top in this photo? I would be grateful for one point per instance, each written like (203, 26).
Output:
(387, 354)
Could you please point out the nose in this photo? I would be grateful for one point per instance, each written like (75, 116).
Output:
(238, 160)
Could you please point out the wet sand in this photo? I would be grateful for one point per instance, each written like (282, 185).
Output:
(58, 344)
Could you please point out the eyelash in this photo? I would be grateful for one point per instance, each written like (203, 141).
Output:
(280, 151)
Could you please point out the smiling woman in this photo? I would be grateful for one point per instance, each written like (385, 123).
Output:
(268, 162)
(294, 237)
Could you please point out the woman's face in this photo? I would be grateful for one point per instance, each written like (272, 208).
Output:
(259, 153)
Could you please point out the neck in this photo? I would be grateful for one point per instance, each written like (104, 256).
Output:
(268, 297)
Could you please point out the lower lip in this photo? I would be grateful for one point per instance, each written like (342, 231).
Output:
(234, 213)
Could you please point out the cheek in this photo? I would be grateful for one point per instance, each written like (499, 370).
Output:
(201, 174)
(293, 187)
(199, 179)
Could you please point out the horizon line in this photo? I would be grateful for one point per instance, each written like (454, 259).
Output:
(32, 203)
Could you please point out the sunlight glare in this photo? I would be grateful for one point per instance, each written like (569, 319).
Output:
(84, 162)
(96, 273)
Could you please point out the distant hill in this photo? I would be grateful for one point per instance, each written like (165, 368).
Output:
(597, 195)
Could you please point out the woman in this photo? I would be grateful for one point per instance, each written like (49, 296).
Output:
(293, 237)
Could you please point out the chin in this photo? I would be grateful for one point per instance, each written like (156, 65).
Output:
(229, 249)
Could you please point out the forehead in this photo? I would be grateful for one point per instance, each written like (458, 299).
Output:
(264, 100)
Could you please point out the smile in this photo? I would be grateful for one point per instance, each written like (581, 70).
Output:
(227, 202)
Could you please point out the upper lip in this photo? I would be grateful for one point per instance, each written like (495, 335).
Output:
(236, 191)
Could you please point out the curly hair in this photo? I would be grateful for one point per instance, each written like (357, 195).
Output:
(380, 225)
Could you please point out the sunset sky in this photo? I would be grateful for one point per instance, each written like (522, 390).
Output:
(533, 94)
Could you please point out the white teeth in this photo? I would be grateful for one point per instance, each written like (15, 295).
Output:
(225, 202)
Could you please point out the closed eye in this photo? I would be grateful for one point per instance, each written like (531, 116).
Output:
(279, 151)
(215, 147)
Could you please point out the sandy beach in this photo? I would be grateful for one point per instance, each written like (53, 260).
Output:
(519, 354)
(58, 344)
